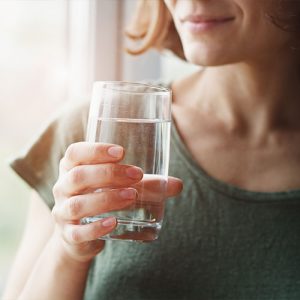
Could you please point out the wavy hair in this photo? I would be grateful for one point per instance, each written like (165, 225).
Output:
(152, 26)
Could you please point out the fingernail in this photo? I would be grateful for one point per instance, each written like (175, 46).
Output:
(115, 151)
(134, 173)
(128, 193)
(109, 222)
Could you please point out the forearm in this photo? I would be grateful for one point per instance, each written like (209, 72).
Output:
(56, 275)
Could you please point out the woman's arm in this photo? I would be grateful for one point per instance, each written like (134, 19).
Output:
(38, 230)
(40, 267)
(57, 250)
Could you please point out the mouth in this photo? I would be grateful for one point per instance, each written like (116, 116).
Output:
(199, 23)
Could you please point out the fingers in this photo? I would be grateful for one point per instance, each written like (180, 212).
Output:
(97, 203)
(153, 185)
(84, 177)
(77, 234)
(87, 167)
(90, 153)
(174, 186)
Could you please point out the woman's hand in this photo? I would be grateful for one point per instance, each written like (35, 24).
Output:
(85, 168)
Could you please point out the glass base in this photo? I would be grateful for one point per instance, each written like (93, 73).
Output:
(130, 230)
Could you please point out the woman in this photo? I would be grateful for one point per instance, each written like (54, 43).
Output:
(234, 232)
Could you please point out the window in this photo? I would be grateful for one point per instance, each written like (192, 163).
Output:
(50, 53)
(33, 83)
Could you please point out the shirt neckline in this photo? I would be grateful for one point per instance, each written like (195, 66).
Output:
(224, 188)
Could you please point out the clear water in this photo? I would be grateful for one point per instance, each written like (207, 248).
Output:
(146, 143)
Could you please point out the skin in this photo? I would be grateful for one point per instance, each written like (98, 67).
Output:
(63, 246)
(237, 117)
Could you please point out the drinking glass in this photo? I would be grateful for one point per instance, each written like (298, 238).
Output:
(138, 117)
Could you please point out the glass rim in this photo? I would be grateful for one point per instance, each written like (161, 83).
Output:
(157, 90)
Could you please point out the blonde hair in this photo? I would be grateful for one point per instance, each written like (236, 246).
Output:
(152, 27)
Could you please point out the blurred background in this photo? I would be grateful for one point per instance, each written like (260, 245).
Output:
(51, 51)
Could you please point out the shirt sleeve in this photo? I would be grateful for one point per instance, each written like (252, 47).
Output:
(38, 164)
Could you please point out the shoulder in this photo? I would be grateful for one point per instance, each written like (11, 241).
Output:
(38, 162)
(65, 126)
(72, 119)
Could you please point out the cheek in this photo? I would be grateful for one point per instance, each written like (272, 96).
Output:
(257, 30)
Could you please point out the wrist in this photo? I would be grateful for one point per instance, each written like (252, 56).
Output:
(64, 254)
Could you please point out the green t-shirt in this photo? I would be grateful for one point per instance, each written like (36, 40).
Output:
(217, 241)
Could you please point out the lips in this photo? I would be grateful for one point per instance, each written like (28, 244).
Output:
(200, 23)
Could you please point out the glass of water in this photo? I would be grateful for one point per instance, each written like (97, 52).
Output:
(138, 117)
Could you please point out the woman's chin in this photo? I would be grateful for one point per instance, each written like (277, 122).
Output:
(207, 57)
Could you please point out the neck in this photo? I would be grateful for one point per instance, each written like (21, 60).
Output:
(257, 97)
